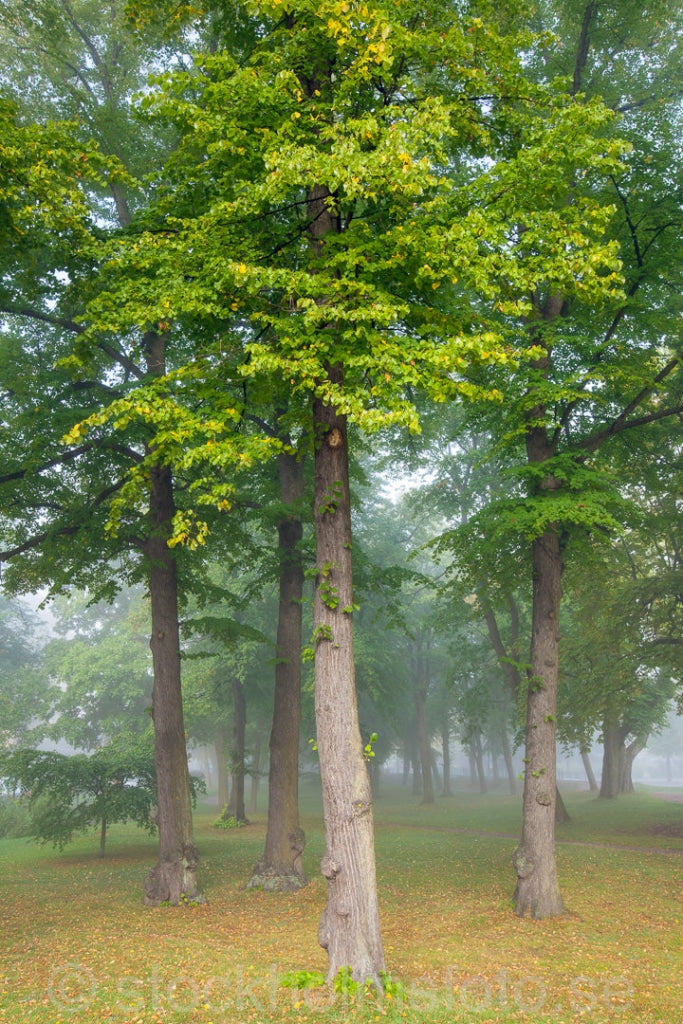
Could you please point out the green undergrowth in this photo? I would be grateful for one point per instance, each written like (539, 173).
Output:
(78, 946)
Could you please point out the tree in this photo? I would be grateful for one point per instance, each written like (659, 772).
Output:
(70, 794)
(606, 363)
(76, 178)
(281, 865)
(317, 160)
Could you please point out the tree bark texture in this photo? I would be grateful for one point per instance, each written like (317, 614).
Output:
(281, 867)
(538, 891)
(175, 873)
(349, 928)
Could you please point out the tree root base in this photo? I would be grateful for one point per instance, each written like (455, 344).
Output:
(272, 880)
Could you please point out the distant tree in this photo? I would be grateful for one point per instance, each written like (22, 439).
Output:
(72, 67)
(100, 668)
(71, 794)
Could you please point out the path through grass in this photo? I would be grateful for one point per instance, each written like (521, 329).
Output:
(77, 946)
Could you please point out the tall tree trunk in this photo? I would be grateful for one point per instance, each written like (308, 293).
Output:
(349, 928)
(588, 768)
(236, 808)
(221, 748)
(612, 759)
(538, 890)
(281, 867)
(103, 836)
(174, 876)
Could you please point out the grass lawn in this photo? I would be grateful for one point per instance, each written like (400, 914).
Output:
(78, 946)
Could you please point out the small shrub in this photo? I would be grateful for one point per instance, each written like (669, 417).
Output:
(302, 979)
(225, 820)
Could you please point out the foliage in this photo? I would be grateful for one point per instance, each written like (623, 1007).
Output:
(100, 667)
(71, 793)
(24, 690)
(14, 819)
(227, 821)
(426, 184)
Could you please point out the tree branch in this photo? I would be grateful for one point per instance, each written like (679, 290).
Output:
(622, 421)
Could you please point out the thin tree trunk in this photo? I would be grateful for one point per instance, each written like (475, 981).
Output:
(406, 764)
(103, 836)
(221, 748)
(415, 758)
(538, 890)
(281, 867)
(255, 776)
(478, 754)
(507, 757)
(588, 768)
(236, 808)
(494, 768)
(436, 775)
(446, 757)
(424, 746)
(474, 775)
(349, 928)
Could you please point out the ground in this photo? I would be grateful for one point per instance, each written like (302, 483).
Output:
(79, 947)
